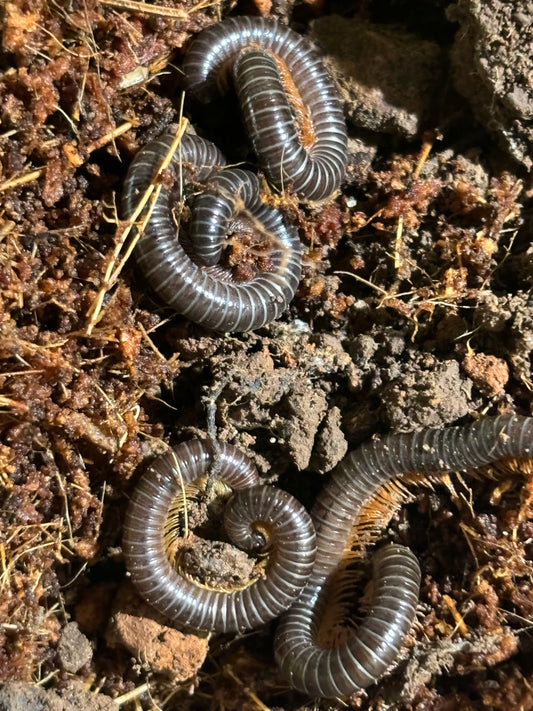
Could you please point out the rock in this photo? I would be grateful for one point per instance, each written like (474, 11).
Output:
(389, 79)
(74, 649)
(428, 394)
(330, 444)
(145, 634)
(19, 696)
(493, 69)
(75, 697)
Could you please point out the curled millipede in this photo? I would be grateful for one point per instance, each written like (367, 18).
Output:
(208, 295)
(370, 649)
(253, 514)
(270, 63)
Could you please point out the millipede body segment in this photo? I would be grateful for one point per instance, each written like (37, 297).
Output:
(206, 293)
(375, 644)
(218, 203)
(303, 142)
(253, 513)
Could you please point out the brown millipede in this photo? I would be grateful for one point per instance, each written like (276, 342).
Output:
(288, 527)
(208, 295)
(375, 644)
(260, 51)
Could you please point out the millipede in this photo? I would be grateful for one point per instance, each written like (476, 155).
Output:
(290, 104)
(369, 650)
(256, 516)
(207, 293)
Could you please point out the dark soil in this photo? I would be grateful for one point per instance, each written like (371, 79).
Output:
(415, 309)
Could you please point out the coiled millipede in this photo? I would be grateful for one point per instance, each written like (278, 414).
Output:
(208, 294)
(253, 514)
(290, 104)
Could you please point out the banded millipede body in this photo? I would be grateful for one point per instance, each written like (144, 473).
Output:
(269, 63)
(376, 643)
(214, 208)
(209, 295)
(281, 519)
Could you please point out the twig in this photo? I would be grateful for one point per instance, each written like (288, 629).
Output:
(427, 145)
(175, 12)
(133, 694)
(398, 244)
(151, 195)
(21, 179)
(76, 159)
(379, 289)
(246, 689)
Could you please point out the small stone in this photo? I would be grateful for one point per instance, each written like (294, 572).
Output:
(263, 7)
(19, 696)
(427, 394)
(330, 443)
(74, 649)
(76, 697)
(488, 373)
(143, 632)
